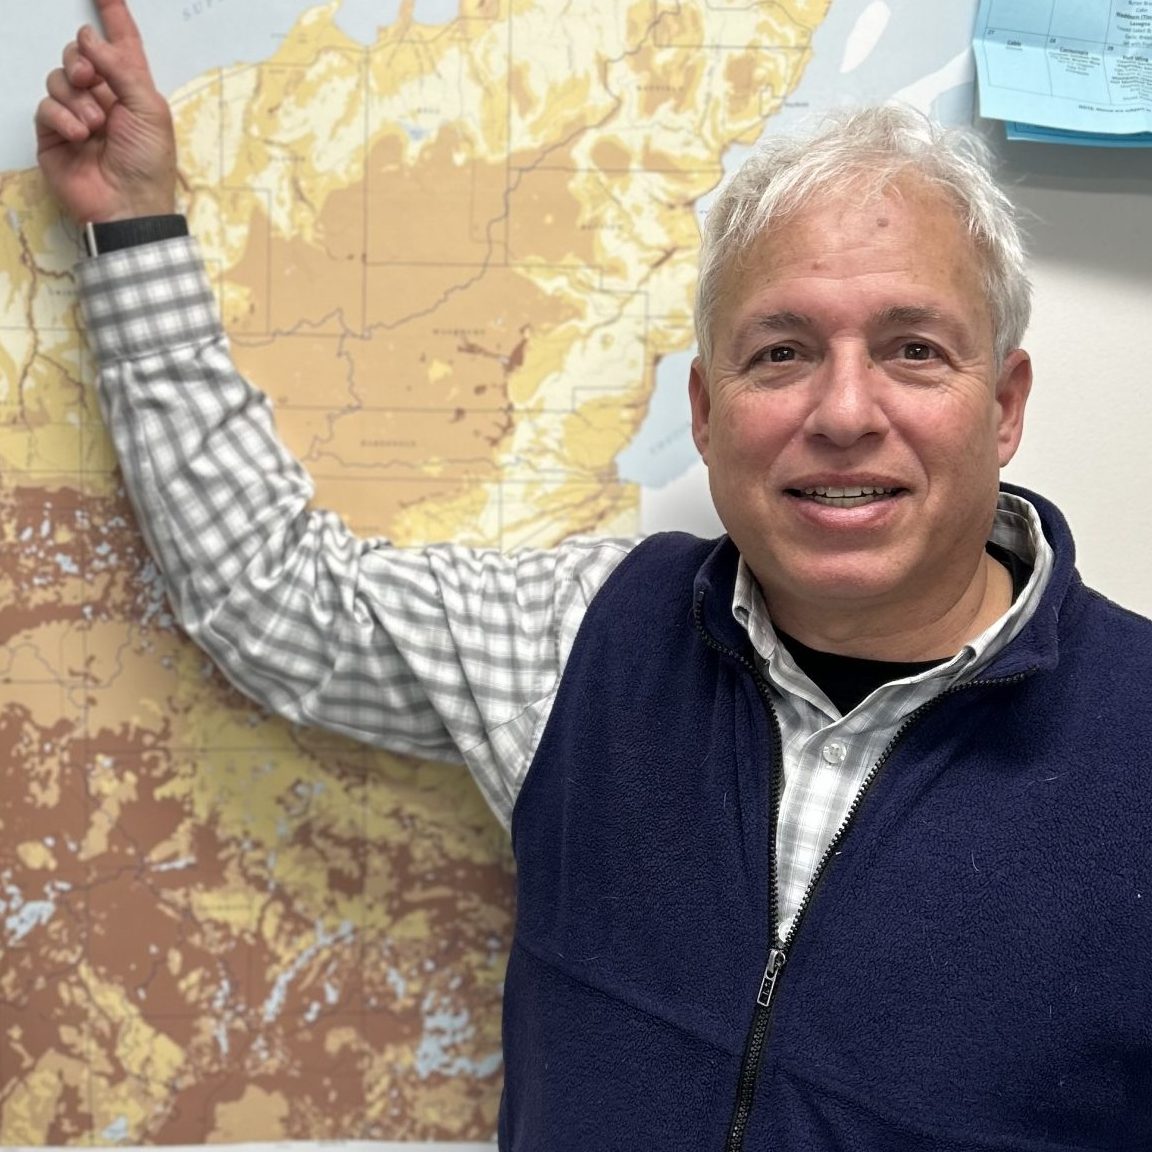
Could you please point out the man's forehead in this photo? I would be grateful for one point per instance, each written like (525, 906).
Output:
(873, 206)
(914, 224)
(904, 256)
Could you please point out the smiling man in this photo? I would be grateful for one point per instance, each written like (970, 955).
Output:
(831, 833)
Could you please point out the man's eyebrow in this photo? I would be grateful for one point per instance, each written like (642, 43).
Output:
(771, 322)
(910, 314)
(902, 316)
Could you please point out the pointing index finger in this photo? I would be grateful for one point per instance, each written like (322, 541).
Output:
(118, 22)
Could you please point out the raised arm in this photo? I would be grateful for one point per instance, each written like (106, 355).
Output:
(104, 133)
(444, 652)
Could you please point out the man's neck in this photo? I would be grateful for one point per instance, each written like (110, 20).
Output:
(902, 632)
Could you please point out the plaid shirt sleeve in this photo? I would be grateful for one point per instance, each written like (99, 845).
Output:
(443, 652)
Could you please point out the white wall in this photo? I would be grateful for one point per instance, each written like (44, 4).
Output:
(1088, 437)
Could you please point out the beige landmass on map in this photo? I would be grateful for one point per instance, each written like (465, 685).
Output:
(454, 259)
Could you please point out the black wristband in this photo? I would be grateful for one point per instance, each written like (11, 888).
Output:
(101, 238)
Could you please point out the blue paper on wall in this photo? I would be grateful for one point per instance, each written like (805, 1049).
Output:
(1078, 66)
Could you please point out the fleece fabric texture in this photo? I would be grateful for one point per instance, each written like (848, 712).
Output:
(974, 968)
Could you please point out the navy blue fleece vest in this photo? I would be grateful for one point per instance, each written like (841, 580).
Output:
(974, 969)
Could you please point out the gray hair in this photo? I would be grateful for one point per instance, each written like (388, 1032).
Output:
(875, 146)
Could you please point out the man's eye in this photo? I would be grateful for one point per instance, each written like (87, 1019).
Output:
(915, 350)
(780, 354)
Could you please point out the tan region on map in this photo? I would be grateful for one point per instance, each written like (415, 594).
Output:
(454, 258)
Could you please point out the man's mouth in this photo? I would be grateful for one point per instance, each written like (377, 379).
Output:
(849, 497)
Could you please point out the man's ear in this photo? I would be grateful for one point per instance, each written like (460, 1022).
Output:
(701, 407)
(1012, 388)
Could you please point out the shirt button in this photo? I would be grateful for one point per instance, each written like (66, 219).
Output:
(834, 752)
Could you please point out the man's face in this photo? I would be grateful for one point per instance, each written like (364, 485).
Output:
(853, 419)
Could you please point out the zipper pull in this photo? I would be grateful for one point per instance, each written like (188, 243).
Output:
(776, 958)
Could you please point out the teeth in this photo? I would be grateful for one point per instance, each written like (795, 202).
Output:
(846, 497)
(840, 493)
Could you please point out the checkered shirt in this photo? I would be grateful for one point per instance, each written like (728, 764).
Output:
(443, 652)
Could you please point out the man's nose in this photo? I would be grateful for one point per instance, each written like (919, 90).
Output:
(847, 397)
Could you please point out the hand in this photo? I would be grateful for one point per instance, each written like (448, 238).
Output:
(104, 134)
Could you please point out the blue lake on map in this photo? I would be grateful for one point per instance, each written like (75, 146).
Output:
(663, 448)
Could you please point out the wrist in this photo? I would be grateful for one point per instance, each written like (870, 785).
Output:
(130, 202)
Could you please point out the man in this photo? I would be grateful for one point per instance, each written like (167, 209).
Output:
(830, 834)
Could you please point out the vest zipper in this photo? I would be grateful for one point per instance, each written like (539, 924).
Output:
(777, 955)
(778, 951)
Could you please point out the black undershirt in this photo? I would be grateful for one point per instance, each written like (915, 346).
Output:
(846, 680)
